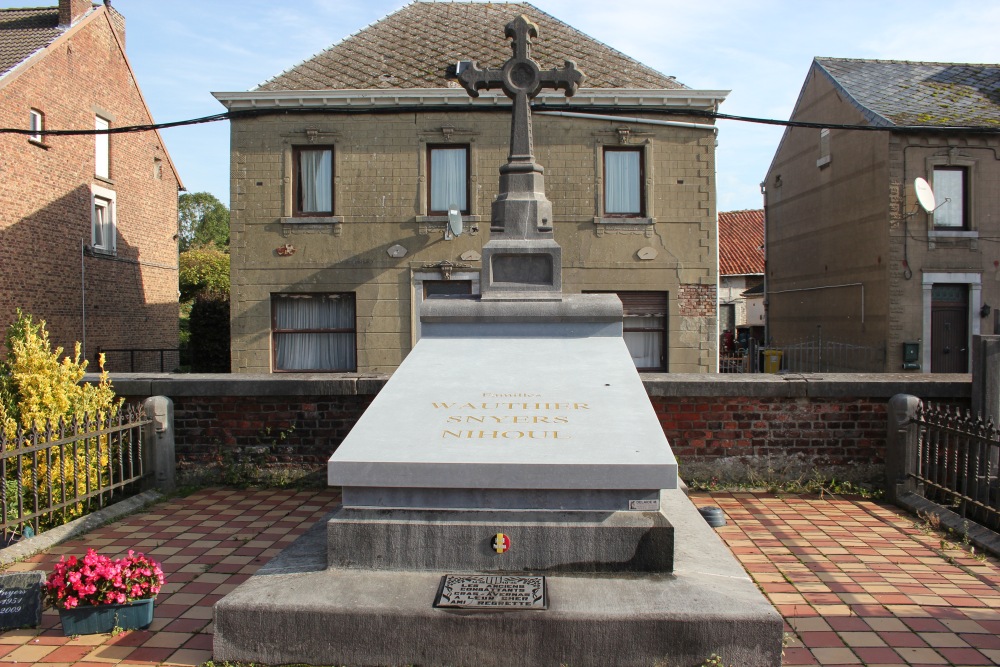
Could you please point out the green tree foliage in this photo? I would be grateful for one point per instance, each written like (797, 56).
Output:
(210, 332)
(203, 221)
(204, 268)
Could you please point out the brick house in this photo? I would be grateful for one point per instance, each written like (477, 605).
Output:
(89, 223)
(850, 250)
(741, 268)
(343, 175)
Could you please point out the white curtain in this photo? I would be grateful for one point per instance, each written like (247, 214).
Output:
(448, 179)
(949, 184)
(314, 350)
(644, 346)
(621, 182)
(316, 172)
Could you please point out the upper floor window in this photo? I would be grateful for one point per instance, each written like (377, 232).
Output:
(37, 125)
(951, 193)
(102, 148)
(624, 178)
(448, 181)
(103, 231)
(313, 180)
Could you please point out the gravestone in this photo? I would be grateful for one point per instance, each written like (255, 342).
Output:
(509, 497)
(21, 599)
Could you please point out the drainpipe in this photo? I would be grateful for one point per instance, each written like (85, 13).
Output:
(83, 299)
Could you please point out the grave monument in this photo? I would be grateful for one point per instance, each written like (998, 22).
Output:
(509, 497)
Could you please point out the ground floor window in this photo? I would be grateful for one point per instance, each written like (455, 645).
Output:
(314, 332)
(645, 328)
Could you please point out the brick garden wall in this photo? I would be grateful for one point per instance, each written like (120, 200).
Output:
(792, 422)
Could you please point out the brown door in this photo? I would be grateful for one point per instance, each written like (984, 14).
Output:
(950, 328)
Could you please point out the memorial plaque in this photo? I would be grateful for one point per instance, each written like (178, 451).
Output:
(21, 600)
(486, 592)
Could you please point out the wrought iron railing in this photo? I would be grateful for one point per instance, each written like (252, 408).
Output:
(152, 360)
(50, 475)
(958, 455)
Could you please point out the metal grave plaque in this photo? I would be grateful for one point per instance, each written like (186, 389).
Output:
(483, 592)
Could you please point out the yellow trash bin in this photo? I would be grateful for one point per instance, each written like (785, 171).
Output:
(772, 361)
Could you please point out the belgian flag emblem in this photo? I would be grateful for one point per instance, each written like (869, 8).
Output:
(501, 543)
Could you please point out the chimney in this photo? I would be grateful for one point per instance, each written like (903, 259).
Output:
(70, 11)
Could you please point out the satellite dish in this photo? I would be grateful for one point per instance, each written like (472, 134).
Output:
(925, 195)
(454, 222)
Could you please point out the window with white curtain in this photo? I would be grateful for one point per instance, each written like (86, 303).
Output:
(950, 193)
(448, 179)
(102, 148)
(314, 332)
(645, 328)
(623, 182)
(313, 180)
(103, 234)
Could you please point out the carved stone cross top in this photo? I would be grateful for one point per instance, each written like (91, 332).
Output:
(521, 80)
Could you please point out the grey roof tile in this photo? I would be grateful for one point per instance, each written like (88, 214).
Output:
(899, 92)
(412, 47)
(24, 31)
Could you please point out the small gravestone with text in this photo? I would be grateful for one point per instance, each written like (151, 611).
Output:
(21, 599)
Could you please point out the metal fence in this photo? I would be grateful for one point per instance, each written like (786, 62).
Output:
(54, 474)
(154, 360)
(958, 455)
(817, 355)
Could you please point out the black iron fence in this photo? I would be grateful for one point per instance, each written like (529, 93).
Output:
(56, 473)
(958, 455)
(152, 360)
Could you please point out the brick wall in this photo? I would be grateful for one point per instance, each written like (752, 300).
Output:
(45, 199)
(696, 300)
(836, 421)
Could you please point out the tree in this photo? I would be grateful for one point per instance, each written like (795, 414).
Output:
(203, 220)
(203, 268)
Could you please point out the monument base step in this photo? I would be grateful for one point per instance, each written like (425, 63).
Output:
(296, 610)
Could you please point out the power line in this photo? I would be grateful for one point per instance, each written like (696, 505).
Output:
(715, 115)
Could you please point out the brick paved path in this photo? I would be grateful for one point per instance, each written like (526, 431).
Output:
(856, 581)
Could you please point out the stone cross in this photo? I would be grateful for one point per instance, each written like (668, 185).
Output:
(521, 80)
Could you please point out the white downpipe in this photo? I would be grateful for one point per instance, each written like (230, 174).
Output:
(629, 119)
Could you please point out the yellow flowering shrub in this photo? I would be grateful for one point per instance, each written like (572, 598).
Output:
(37, 389)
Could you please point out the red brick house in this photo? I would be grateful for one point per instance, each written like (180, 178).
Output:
(88, 223)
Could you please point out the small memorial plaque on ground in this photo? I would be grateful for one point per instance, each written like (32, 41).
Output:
(21, 600)
(491, 592)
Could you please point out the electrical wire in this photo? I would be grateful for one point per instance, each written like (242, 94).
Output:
(715, 115)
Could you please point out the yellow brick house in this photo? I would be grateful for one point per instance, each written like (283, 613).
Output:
(345, 166)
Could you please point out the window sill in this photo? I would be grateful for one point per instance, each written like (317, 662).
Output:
(312, 224)
(40, 144)
(823, 161)
(102, 252)
(624, 221)
(444, 218)
(949, 234)
(104, 179)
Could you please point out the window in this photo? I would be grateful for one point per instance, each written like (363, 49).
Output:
(448, 181)
(103, 231)
(102, 149)
(950, 192)
(447, 288)
(314, 332)
(157, 169)
(37, 125)
(645, 328)
(824, 148)
(624, 178)
(313, 181)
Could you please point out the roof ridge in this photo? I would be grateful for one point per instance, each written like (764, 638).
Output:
(906, 62)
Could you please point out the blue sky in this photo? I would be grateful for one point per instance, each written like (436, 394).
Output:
(182, 50)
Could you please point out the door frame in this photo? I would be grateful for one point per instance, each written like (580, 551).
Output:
(975, 283)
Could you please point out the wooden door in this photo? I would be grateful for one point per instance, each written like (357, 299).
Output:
(950, 328)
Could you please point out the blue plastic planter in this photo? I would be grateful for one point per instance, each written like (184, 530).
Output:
(90, 620)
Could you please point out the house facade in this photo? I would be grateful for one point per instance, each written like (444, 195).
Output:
(89, 223)
(852, 255)
(741, 268)
(345, 168)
